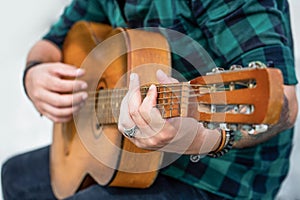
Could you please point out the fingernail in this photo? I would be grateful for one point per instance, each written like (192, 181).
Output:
(79, 72)
(152, 87)
(160, 73)
(84, 86)
(132, 76)
(84, 96)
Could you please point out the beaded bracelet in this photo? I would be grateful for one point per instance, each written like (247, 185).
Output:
(28, 67)
(226, 144)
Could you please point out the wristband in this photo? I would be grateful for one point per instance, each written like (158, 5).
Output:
(28, 67)
(226, 144)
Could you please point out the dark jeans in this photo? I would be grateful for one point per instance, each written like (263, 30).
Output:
(27, 177)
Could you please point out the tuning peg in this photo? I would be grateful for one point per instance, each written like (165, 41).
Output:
(217, 70)
(235, 67)
(255, 129)
(257, 64)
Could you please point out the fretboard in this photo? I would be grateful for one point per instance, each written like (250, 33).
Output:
(171, 101)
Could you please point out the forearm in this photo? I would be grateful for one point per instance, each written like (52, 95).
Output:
(44, 51)
(286, 121)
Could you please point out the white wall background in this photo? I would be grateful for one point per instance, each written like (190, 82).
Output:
(22, 128)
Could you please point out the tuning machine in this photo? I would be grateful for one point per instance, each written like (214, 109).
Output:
(257, 64)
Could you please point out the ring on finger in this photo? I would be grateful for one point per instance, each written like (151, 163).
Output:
(130, 132)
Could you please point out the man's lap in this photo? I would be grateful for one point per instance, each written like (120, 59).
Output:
(27, 176)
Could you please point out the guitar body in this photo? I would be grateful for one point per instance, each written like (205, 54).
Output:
(84, 151)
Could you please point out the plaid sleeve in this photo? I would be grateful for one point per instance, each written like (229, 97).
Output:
(89, 10)
(239, 32)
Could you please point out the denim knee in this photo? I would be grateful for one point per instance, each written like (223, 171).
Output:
(8, 176)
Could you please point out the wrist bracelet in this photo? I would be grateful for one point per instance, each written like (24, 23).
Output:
(28, 67)
(226, 143)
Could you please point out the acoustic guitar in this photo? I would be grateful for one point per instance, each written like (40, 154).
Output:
(90, 149)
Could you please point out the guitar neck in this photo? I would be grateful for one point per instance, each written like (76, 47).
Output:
(237, 97)
(171, 101)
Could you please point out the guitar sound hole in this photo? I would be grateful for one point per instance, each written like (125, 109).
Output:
(98, 125)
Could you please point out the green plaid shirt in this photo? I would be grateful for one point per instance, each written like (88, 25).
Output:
(231, 32)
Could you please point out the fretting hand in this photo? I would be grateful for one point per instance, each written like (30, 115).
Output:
(153, 132)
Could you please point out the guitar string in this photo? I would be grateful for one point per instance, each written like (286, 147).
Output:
(109, 113)
(168, 95)
(91, 101)
(194, 90)
(111, 116)
(168, 87)
(174, 106)
(174, 98)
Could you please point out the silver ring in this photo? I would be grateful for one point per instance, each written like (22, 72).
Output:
(130, 132)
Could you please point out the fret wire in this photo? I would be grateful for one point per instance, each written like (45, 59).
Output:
(146, 89)
(121, 97)
(245, 83)
(163, 104)
(171, 105)
(164, 99)
(173, 91)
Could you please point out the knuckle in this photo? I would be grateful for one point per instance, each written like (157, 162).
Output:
(55, 119)
(60, 120)
(66, 113)
(165, 139)
(140, 145)
(62, 100)
(62, 113)
(54, 69)
(134, 112)
(68, 100)
(55, 85)
(35, 95)
(56, 102)
(66, 119)
(142, 110)
(152, 142)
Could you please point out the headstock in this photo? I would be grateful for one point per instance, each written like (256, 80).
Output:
(252, 95)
